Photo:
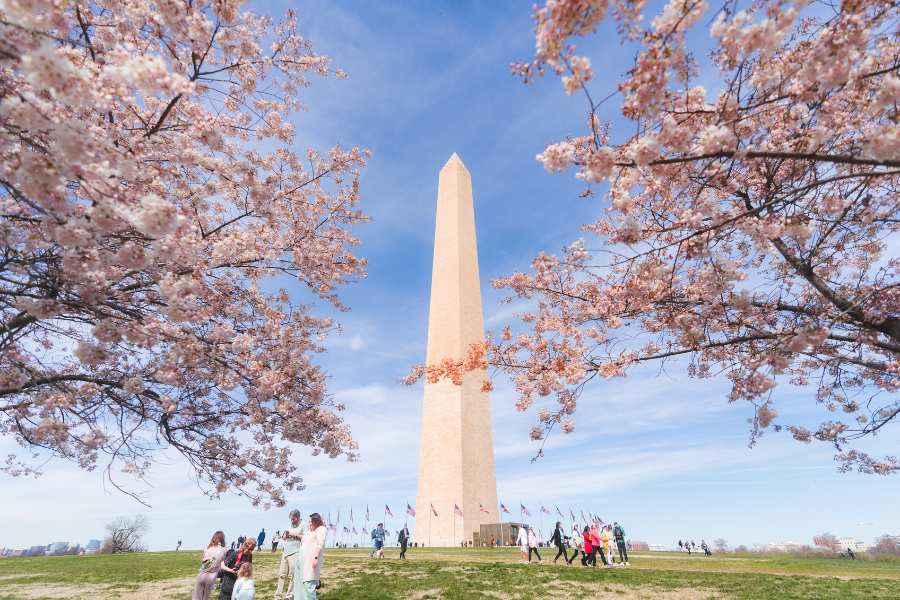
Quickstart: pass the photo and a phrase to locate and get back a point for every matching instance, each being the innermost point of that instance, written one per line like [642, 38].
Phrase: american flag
[365, 532]
[388, 510]
[354, 531]
[571, 513]
[557, 511]
[503, 509]
[456, 510]
[367, 512]
[544, 510]
[338, 519]
[351, 514]
[583, 520]
[524, 510]
[346, 530]
[481, 508]
[333, 527]
[432, 509]
[409, 510]
[329, 518]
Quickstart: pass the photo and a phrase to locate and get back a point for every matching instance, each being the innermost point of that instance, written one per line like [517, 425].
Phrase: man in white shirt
[292, 536]
[522, 541]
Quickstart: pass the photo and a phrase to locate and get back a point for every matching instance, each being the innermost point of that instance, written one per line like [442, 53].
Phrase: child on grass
[244, 588]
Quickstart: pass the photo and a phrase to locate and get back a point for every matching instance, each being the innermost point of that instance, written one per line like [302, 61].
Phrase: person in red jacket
[588, 549]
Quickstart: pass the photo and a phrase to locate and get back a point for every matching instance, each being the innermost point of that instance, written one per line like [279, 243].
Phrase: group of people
[691, 545]
[378, 540]
[589, 541]
[300, 568]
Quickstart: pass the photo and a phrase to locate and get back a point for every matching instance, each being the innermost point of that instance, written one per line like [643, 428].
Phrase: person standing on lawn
[292, 537]
[577, 538]
[209, 567]
[680, 546]
[275, 539]
[260, 539]
[558, 540]
[231, 566]
[309, 560]
[619, 534]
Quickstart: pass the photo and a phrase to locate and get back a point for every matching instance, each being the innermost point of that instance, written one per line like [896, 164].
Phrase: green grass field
[451, 574]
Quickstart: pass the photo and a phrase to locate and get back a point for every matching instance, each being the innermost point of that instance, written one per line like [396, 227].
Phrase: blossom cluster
[748, 231]
[143, 239]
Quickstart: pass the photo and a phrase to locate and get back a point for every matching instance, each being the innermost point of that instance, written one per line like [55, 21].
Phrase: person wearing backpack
[209, 567]
[378, 545]
[619, 535]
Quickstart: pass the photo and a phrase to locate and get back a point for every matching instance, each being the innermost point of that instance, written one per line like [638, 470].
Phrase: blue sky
[663, 454]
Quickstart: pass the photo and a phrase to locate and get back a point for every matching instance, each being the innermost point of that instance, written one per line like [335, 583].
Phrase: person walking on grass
[619, 534]
[275, 539]
[533, 546]
[260, 539]
[610, 545]
[378, 545]
[244, 588]
[209, 567]
[522, 541]
[588, 551]
[597, 546]
[404, 541]
[292, 536]
[231, 566]
[577, 542]
[559, 540]
[687, 545]
[308, 566]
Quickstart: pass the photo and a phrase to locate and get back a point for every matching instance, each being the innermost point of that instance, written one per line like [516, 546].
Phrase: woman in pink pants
[212, 560]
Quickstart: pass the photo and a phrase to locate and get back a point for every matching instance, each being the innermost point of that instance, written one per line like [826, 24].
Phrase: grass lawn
[456, 573]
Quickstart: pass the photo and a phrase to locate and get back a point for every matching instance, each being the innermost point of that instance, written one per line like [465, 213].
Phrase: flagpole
[430, 512]
[501, 526]
[479, 525]
[541, 512]
[454, 522]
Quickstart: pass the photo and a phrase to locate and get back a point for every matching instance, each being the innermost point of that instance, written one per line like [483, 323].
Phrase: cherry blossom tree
[151, 208]
[748, 229]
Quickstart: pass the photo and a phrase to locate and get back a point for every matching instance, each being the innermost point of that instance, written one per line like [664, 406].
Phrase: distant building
[784, 547]
[657, 548]
[842, 544]
[638, 546]
[58, 547]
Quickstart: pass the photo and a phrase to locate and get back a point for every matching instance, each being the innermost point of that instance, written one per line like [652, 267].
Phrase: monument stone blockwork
[456, 460]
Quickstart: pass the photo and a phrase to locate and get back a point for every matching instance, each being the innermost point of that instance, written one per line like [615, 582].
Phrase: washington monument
[456, 461]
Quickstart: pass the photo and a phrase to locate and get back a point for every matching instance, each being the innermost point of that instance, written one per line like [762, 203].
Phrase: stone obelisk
[456, 461]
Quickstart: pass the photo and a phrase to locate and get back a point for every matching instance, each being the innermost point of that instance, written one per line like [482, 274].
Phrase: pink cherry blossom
[751, 233]
[144, 240]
